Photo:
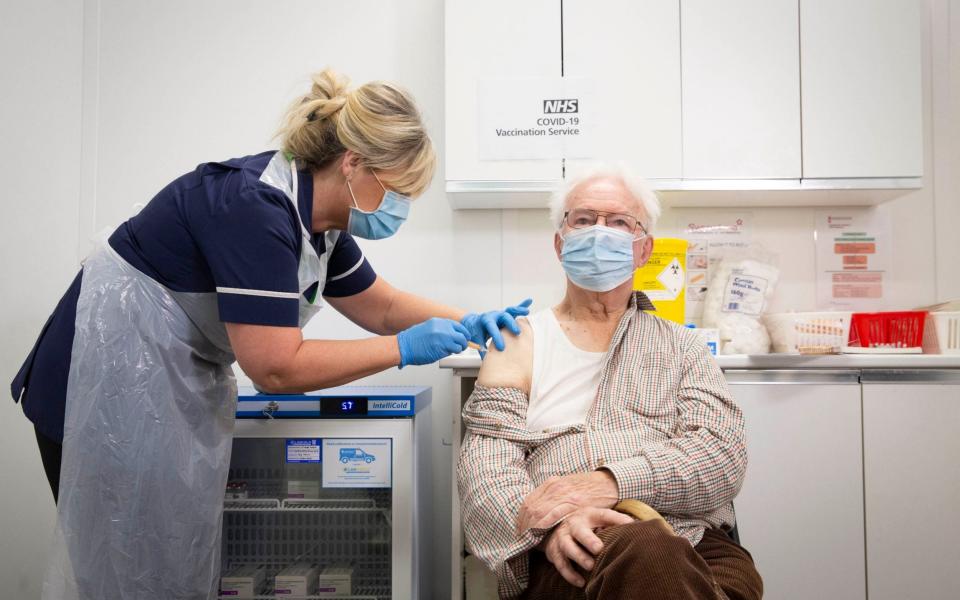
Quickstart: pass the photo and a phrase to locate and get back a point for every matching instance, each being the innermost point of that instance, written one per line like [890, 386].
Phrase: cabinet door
[495, 39]
[912, 486]
[800, 512]
[861, 82]
[630, 50]
[741, 89]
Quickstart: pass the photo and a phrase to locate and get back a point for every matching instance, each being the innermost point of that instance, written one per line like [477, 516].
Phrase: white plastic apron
[311, 269]
[148, 430]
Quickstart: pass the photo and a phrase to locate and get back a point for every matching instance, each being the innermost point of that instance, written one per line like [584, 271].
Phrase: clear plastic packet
[738, 295]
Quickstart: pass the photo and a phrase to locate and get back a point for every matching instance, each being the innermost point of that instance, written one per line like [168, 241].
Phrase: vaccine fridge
[328, 495]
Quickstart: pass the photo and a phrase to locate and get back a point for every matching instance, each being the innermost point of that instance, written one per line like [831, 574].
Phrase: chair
[734, 534]
[643, 512]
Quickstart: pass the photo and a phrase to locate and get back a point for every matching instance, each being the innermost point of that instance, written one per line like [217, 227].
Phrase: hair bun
[327, 95]
[322, 108]
[329, 83]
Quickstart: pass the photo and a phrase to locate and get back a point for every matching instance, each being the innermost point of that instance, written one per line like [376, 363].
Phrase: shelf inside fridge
[361, 593]
[302, 505]
[251, 505]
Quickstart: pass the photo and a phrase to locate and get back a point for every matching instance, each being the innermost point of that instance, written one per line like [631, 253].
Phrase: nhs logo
[569, 105]
[388, 405]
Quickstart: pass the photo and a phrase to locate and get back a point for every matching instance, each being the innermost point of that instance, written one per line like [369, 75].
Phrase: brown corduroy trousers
[644, 560]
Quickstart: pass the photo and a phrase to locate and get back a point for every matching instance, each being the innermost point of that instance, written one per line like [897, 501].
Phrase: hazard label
[672, 279]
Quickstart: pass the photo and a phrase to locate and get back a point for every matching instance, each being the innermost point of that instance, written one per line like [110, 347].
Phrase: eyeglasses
[579, 218]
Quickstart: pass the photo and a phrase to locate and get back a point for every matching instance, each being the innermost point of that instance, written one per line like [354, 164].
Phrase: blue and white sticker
[303, 450]
[357, 462]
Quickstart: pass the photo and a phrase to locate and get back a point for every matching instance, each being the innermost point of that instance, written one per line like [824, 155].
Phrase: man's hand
[560, 496]
[575, 540]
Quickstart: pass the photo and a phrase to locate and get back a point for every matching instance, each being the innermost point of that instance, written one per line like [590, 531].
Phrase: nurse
[130, 384]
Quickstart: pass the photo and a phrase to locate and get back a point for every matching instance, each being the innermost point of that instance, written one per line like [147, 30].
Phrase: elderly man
[595, 403]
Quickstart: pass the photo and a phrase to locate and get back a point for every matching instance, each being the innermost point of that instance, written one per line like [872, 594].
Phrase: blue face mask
[381, 223]
[597, 258]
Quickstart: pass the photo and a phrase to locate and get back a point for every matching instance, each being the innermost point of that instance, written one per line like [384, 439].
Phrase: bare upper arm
[367, 308]
[513, 367]
[264, 351]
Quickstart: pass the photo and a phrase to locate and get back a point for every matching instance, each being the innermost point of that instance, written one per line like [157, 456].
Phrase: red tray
[887, 329]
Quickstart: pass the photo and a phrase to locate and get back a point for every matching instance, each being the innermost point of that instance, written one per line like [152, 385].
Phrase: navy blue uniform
[218, 229]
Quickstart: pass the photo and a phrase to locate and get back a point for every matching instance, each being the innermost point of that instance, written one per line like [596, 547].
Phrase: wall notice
[852, 259]
[537, 118]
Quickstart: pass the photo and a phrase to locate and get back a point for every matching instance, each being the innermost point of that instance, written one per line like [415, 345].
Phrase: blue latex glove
[430, 341]
[484, 326]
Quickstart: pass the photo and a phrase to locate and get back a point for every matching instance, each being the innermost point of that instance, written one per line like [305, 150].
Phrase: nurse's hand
[430, 341]
[484, 326]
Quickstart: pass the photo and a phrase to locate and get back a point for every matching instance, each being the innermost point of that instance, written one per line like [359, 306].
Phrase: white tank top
[565, 378]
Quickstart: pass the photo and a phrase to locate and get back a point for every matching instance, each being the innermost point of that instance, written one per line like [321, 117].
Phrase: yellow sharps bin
[663, 278]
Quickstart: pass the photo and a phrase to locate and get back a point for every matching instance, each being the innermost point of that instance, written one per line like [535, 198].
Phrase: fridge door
[320, 495]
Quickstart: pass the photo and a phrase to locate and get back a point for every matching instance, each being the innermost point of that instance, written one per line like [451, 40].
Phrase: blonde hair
[378, 121]
[637, 186]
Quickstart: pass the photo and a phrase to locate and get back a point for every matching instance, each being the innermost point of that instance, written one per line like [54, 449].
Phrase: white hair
[637, 186]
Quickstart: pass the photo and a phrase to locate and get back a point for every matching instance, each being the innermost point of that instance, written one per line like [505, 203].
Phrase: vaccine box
[336, 581]
[299, 579]
[236, 490]
[300, 488]
[711, 337]
[243, 582]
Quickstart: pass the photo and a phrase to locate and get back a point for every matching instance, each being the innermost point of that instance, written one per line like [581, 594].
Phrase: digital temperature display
[331, 406]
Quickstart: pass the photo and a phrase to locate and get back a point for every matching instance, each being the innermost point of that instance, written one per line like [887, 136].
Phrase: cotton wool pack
[738, 294]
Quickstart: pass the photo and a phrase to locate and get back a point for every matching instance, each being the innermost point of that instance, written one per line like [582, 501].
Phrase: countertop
[470, 360]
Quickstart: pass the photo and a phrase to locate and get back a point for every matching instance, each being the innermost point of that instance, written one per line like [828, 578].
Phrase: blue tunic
[218, 229]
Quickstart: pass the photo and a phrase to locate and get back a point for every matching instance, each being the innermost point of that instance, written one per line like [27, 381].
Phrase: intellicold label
[388, 405]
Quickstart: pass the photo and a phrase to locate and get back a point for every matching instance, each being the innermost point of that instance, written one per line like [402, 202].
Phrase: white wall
[169, 85]
[944, 124]
[40, 44]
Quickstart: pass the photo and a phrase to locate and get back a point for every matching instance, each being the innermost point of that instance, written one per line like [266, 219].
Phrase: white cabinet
[750, 100]
[495, 39]
[741, 89]
[861, 88]
[800, 512]
[629, 50]
[912, 483]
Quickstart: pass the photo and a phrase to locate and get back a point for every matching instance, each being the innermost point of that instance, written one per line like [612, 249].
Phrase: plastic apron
[151, 401]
